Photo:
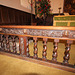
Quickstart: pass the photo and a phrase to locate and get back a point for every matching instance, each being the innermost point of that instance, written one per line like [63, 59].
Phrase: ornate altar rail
[8, 43]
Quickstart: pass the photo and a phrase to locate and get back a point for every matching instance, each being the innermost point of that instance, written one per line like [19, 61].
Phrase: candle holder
[59, 10]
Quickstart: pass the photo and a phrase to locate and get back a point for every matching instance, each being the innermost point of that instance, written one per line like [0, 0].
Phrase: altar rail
[10, 35]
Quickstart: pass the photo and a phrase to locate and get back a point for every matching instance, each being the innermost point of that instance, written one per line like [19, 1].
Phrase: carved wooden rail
[10, 35]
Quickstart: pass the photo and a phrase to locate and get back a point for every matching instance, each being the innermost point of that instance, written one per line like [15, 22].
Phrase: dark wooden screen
[10, 16]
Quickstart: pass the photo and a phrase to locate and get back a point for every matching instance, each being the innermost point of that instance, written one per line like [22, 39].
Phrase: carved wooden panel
[13, 31]
[41, 32]
[52, 33]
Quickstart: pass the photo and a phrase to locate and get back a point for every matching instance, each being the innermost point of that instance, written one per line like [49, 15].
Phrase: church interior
[37, 37]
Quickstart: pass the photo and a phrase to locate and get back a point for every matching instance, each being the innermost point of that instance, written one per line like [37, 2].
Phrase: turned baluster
[27, 50]
[14, 44]
[44, 49]
[67, 49]
[35, 48]
[2, 43]
[54, 56]
[7, 43]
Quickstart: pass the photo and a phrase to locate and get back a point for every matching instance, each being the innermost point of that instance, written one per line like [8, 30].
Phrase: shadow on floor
[31, 74]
